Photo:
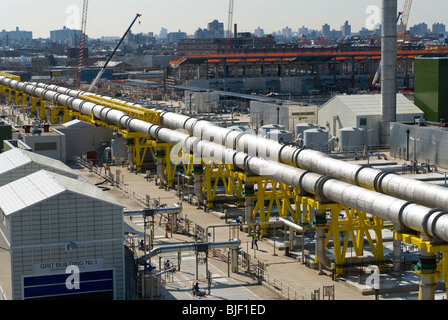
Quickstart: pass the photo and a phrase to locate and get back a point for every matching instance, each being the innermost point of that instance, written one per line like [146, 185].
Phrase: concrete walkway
[296, 280]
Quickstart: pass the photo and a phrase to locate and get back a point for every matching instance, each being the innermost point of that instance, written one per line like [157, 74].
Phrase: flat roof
[227, 93]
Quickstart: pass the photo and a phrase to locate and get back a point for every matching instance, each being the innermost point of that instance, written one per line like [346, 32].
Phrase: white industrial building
[63, 240]
[17, 163]
[286, 114]
[82, 137]
[201, 101]
[43, 140]
[364, 112]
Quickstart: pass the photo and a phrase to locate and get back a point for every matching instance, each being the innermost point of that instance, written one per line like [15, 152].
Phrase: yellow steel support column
[162, 152]
[235, 183]
[212, 171]
[2, 90]
[440, 271]
[58, 112]
[43, 111]
[356, 225]
[11, 94]
[280, 195]
[36, 104]
[138, 150]
[170, 169]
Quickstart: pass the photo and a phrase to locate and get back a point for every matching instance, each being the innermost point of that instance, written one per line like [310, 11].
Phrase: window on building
[363, 121]
[45, 146]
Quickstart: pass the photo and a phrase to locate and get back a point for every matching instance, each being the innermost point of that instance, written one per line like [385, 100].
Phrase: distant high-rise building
[303, 31]
[163, 33]
[16, 36]
[287, 32]
[174, 37]
[259, 32]
[438, 28]
[366, 32]
[326, 31]
[216, 29]
[420, 29]
[346, 29]
[65, 36]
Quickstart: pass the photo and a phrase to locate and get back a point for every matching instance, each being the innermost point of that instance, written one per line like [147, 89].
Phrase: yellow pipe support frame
[267, 190]
[36, 103]
[441, 271]
[140, 113]
[235, 183]
[139, 144]
[9, 75]
[356, 225]
[217, 172]
[165, 156]
[179, 157]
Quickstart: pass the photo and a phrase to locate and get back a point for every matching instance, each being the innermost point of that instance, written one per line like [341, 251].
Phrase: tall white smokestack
[388, 68]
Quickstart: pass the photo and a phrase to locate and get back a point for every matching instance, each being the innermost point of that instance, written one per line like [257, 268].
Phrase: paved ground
[296, 279]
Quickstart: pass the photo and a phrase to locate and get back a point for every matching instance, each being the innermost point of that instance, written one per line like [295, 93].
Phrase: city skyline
[111, 18]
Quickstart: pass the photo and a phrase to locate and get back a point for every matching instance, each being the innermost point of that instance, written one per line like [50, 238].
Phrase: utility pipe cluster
[385, 182]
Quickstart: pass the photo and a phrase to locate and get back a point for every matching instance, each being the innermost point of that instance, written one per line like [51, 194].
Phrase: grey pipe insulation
[407, 214]
[196, 246]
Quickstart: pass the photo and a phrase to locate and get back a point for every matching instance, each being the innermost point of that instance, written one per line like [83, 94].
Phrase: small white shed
[363, 111]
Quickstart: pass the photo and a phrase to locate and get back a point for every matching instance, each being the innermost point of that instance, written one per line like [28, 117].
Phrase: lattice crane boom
[229, 25]
[82, 43]
[403, 24]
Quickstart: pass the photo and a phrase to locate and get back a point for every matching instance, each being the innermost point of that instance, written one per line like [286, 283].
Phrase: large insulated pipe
[319, 162]
[385, 182]
[388, 68]
[432, 222]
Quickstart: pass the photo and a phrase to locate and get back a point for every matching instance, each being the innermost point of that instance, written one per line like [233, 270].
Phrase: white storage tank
[301, 127]
[351, 139]
[316, 139]
[244, 129]
[263, 132]
[281, 136]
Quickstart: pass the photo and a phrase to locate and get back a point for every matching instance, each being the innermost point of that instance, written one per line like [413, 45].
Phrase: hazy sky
[112, 17]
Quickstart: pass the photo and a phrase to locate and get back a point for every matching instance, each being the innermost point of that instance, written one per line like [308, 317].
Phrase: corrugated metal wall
[431, 147]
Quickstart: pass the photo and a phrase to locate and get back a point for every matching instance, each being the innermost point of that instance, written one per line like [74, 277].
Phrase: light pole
[407, 144]
[415, 150]
[365, 145]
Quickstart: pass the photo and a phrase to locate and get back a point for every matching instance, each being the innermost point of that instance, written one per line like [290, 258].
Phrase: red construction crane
[82, 43]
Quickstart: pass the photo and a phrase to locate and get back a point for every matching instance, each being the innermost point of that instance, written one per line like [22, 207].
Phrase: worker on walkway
[254, 240]
[196, 287]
